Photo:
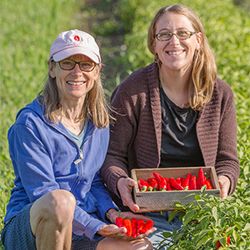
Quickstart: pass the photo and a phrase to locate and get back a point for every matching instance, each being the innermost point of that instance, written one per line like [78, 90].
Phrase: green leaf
[189, 216]
[167, 234]
[247, 227]
[202, 242]
[172, 215]
[204, 222]
[215, 213]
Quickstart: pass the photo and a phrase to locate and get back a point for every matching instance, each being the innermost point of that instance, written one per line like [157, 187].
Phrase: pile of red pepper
[160, 183]
[134, 227]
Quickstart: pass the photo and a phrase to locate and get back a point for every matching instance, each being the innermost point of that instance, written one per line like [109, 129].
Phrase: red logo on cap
[77, 38]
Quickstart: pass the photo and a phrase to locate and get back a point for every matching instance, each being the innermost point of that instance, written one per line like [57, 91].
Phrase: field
[29, 27]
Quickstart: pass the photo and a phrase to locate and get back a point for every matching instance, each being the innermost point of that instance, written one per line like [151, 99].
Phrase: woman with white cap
[57, 145]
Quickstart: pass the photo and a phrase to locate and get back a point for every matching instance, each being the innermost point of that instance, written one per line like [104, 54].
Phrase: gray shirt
[79, 138]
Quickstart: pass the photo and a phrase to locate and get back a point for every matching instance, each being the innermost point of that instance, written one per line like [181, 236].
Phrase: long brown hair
[95, 106]
[204, 70]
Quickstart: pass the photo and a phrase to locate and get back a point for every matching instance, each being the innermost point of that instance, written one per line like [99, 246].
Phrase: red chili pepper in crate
[193, 183]
[186, 182]
[167, 181]
[198, 185]
[144, 186]
[201, 178]
[175, 184]
[209, 184]
[179, 180]
[128, 225]
[169, 186]
[134, 227]
[153, 183]
[162, 185]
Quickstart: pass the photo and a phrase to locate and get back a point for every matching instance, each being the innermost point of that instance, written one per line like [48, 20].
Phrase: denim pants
[160, 220]
[17, 235]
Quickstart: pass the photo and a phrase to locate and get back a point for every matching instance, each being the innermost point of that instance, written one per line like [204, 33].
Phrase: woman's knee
[114, 244]
[143, 244]
[56, 207]
[61, 203]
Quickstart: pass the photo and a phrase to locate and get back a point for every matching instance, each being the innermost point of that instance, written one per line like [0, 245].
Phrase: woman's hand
[125, 187]
[224, 183]
[113, 231]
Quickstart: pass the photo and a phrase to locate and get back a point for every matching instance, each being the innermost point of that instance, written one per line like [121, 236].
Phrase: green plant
[209, 219]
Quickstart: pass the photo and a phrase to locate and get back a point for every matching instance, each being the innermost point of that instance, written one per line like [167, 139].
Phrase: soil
[93, 15]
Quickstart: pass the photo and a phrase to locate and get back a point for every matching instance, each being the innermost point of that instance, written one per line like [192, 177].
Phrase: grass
[28, 29]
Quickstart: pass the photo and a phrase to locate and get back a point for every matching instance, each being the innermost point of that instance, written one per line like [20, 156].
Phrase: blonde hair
[204, 70]
[95, 106]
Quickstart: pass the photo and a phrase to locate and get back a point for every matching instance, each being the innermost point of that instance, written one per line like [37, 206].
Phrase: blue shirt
[45, 157]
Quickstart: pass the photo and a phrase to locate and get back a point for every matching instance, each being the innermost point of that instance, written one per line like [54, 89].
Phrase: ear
[52, 69]
[154, 46]
[198, 40]
[97, 71]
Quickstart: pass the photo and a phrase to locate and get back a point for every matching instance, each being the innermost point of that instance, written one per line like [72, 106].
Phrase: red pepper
[147, 226]
[209, 184]
[167, 181]
[198, 183]
[140, 225]
[134, 227]
[162, 185]
[201, 178]
[175, 184]
[186, 182]
[153, 183]
[128, 225]
[143, 186]
[169, 186]
[193, 184]
[119, 221]
[218, 244]
[179, 180]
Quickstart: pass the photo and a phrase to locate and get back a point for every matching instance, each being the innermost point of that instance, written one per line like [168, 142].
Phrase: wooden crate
[164, 200]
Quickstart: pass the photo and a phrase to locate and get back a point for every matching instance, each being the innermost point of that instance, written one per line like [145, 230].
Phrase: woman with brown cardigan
[173, 112]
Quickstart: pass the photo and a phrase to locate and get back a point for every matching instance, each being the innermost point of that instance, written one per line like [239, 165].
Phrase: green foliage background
[29, 27]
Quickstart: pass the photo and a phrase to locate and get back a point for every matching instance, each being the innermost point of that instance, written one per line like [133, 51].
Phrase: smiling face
[73, 85]
[175, 54]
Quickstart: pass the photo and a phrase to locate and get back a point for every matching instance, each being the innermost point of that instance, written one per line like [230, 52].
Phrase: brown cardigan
[135, 138]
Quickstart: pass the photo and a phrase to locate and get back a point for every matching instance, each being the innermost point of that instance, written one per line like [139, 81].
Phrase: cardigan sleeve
[116, 162]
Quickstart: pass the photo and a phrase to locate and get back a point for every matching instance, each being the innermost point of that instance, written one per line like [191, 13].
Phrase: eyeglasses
[70, 64]
[181, 35]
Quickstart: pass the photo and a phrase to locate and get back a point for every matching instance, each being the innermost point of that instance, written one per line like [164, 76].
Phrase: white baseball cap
[74, 42]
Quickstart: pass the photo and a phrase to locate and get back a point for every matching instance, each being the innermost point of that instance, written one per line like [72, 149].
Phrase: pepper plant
[209, 219]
